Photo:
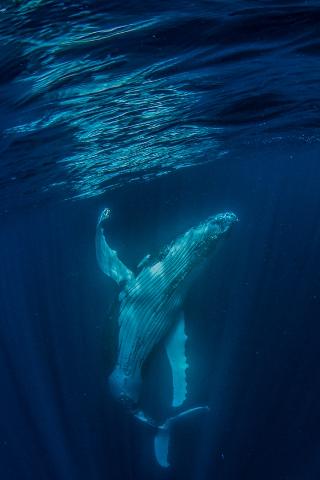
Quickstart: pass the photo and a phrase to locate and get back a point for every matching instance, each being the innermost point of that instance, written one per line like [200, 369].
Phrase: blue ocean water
[166, 112]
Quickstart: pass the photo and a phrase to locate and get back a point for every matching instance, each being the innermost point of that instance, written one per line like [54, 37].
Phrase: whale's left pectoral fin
[176, 351]
[107, 258]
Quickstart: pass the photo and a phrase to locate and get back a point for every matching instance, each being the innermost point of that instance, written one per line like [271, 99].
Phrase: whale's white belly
[146, 314]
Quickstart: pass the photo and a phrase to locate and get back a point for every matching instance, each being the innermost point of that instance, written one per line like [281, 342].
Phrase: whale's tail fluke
[162, 438]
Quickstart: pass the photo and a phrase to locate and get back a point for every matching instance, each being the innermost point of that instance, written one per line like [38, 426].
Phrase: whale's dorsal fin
[144, 262]
[107, 258]
[175, 348]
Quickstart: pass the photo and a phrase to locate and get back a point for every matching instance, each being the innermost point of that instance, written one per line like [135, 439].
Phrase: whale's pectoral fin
[107, 258]
[175, 347]
[162, 438]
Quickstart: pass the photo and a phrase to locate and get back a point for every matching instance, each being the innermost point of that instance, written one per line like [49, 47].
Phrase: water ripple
[95, 95]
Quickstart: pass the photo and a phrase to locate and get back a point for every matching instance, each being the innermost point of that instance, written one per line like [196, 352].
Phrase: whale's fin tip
[107, 258]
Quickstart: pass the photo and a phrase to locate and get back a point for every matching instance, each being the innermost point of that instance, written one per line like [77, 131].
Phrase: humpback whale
[151, 312]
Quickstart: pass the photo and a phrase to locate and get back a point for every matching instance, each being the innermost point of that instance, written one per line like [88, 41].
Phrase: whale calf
[151, 312]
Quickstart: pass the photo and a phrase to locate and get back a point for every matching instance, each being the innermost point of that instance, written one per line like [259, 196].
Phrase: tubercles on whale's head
[222, 222]
[125, 388]
[216, 226]
[209, 232]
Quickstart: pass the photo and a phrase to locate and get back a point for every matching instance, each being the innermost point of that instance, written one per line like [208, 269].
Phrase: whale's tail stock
[163, 432]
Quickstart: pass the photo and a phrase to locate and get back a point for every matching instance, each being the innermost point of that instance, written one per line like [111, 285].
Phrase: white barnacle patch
[157, 268]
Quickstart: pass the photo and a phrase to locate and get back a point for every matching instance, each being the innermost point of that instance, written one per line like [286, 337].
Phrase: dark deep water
[167, 112]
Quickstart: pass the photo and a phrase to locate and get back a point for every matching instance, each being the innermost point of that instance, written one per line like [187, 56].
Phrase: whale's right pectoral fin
[176, 352]
[107, 258]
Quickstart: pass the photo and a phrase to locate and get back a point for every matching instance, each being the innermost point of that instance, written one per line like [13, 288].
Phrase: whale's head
[220, 224]
[125, 388]
[193, 250]
[205, 236]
